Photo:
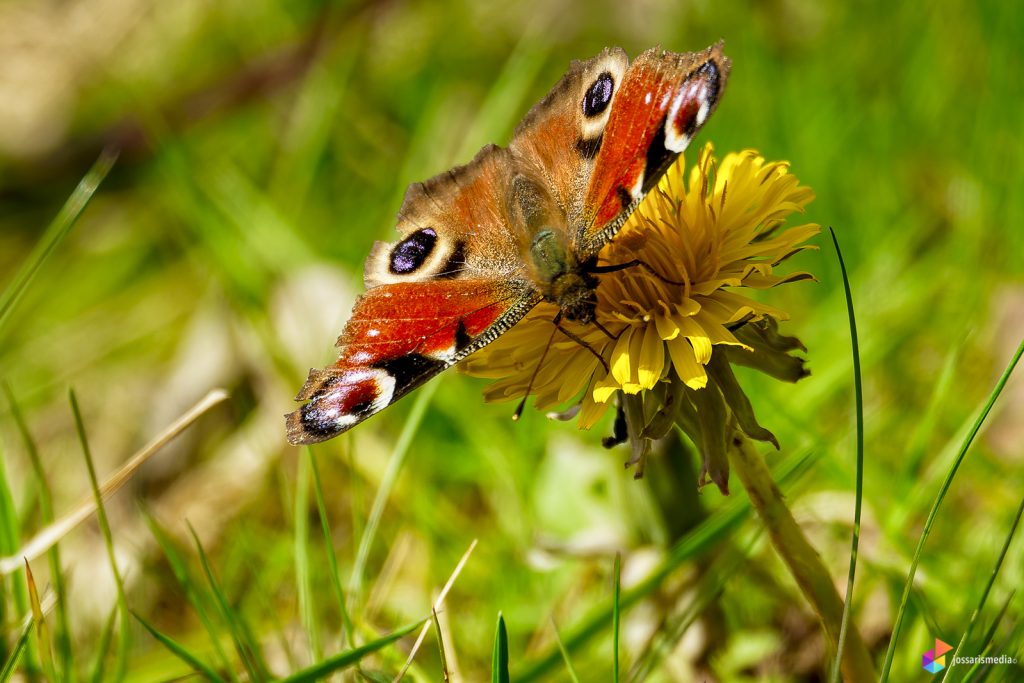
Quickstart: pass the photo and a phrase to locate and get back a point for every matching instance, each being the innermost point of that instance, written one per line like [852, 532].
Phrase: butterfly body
[483, 243]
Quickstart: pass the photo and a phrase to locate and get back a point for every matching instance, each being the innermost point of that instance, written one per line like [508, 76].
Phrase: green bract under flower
[681, 321]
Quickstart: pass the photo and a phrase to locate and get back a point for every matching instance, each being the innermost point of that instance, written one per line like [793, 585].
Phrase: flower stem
[801, 558]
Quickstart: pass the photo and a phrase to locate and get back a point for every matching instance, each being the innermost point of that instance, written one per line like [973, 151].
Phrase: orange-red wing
[399, 336]
[664, 98]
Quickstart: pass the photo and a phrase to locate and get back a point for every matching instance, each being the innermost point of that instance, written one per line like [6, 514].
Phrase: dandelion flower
[678, 321]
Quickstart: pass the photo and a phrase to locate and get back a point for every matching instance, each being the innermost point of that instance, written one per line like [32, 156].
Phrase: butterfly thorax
[563, 281]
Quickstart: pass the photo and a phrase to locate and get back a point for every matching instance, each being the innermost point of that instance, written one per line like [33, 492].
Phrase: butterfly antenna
[616, 267]
[585, 345]
[536, 371]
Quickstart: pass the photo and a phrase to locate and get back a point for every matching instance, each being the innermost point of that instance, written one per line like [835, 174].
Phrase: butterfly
[483, 243]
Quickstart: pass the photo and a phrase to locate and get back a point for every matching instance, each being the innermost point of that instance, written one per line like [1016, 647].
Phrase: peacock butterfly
[483, 243]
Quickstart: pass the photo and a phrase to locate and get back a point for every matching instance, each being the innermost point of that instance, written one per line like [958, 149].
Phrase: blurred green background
[265, 146]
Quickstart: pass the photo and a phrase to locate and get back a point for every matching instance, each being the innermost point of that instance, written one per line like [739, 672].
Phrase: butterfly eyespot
[598, 95]
[409, 254]
[709, 70]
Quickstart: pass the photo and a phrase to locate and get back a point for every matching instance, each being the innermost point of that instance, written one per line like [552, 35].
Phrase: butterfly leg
[575, 338]
[557, 321]
[522, 404]
[597, 270]
[604, 329]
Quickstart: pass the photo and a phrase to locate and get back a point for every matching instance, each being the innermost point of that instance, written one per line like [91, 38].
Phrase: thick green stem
[801, 558]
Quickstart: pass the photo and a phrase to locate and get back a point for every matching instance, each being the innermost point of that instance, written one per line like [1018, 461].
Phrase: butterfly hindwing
[453, 226]
[399, 336]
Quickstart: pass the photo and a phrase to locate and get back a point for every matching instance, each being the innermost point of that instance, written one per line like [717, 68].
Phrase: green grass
[124, 635]
[499, 658]
[227, 251]
[943, 490]
[858, 405]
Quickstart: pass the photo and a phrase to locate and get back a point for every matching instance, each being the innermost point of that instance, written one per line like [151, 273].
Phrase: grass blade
[801, 560]
[100, 649]
[1014, 673]
[44, 646]
[565, 654]
[858, 402]
[991, 633]
[62, 633]
[332, 557]
[387, 483]
[9, 534]
[986, 644]
[303, 577]
[988, 586]
[499, 659]
[194, 593]
[703, 537]
[968, 440]
[349, 657]
[244, 644]
[19, 649]
[616, 615]
[706, 591]
[48, 536]
[436, 606]
[180, 652]
[445, 671]
[108, 541]
[55, 233]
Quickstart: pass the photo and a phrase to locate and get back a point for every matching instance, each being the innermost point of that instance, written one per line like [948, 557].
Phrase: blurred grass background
[265, 146]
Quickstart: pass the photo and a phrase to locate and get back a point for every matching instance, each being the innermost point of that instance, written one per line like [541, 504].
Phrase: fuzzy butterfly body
[483, 243]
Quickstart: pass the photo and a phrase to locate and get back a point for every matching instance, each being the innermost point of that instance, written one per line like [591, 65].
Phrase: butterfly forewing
[664, 99]
[558, 139]
[399, 336]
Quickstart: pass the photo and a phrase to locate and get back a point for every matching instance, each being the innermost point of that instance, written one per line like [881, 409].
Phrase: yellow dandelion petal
[592, 410]
[666, 325]
[621, 362]
[759, 281]
[715, 330]
[707, 288]
[652, 358]
[576, 374]
[698, 337]
[605, 388]
[501, 390]
[636, 344]
[685, 364]
[728, 307]
[688, 306]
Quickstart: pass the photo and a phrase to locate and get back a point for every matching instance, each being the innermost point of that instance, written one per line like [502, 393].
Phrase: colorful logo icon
[934, 661]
